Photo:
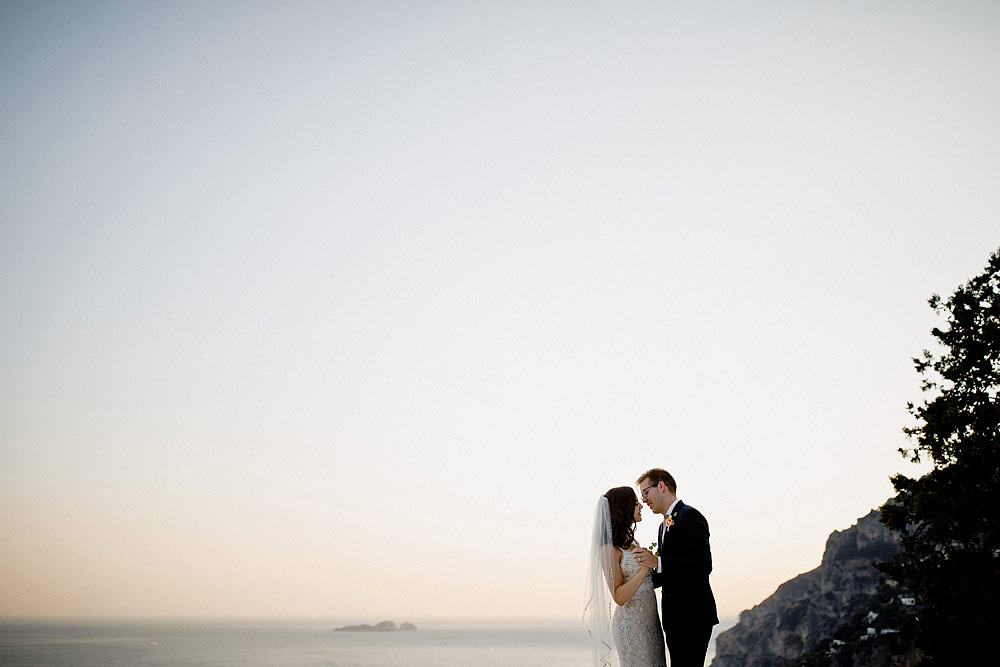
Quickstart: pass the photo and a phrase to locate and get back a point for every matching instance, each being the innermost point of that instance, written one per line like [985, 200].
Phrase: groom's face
[653, 495]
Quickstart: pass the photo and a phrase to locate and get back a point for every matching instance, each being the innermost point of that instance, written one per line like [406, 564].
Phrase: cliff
[808, 609]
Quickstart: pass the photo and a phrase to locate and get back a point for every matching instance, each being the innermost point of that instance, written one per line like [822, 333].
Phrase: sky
[354, 309]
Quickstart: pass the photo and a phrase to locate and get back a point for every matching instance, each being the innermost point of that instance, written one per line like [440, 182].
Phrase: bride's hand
[644, 557]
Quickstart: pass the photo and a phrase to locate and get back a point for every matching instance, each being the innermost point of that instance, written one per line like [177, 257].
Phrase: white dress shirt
[659, 563]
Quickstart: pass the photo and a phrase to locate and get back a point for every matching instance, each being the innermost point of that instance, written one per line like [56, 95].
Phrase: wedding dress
[636, 624]
[627, 635]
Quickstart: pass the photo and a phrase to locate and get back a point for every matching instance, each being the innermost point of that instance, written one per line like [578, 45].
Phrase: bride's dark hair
[621, 505]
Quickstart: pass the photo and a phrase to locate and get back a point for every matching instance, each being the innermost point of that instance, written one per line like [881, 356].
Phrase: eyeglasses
[645, 492]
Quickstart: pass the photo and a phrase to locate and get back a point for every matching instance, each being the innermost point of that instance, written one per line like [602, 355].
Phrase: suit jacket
[686, 561]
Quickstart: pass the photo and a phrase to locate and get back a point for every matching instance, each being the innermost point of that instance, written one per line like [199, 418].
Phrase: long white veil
[598, 603]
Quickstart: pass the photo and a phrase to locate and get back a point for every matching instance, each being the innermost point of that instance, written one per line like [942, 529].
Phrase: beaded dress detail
[636, 624]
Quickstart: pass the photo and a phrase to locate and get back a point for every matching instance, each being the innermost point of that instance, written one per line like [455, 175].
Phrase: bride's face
[638, 511]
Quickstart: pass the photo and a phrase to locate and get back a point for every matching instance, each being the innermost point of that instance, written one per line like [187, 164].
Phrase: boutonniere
[668, 521]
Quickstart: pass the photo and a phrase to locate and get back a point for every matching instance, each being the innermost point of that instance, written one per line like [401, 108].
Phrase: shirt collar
[672, 506]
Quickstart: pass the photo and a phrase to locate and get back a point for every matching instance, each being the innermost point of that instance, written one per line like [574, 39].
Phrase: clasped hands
[644, 557]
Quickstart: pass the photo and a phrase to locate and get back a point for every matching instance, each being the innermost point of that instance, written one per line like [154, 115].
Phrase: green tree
[948, 519]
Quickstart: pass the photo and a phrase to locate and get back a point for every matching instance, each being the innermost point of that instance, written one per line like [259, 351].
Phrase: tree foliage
[948, 519]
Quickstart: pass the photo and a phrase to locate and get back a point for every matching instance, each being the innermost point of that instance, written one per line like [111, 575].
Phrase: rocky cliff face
[807, 609]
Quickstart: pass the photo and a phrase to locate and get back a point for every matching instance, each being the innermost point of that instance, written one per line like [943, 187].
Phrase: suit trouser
[687, 643]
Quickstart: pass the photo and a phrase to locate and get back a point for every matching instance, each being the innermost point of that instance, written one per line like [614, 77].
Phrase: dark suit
[688, 605]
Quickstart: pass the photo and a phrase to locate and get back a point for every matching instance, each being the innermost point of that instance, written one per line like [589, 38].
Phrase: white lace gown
[636, 624]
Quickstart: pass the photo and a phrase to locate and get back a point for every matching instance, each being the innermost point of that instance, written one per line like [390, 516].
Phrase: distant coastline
[384, 626]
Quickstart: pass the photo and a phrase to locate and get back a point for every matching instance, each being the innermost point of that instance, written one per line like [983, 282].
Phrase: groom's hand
[644, 557]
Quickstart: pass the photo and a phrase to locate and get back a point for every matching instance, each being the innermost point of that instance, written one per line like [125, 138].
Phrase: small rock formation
[384, 626]
[806, 610]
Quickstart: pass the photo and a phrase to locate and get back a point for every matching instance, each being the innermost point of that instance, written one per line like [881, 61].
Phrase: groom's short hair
[657, 475]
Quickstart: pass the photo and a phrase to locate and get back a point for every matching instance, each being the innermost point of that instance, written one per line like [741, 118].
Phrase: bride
[620, 607]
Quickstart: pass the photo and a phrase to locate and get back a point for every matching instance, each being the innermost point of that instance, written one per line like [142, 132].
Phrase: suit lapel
[677, 509]
[664, 530]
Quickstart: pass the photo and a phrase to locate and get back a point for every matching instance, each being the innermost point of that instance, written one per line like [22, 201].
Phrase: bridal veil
[598, 603]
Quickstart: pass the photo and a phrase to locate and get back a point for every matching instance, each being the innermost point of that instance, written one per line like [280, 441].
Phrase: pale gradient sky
[354, 309]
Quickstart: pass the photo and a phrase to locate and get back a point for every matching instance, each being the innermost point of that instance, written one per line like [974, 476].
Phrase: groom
[682, 570]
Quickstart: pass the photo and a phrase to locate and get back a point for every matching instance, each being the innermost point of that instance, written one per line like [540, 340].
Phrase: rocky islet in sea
[384, 626]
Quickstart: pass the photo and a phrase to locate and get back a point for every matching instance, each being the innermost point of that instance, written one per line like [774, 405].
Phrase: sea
[291, 643]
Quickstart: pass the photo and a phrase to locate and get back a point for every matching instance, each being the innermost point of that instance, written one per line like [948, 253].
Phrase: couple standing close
[620, 609]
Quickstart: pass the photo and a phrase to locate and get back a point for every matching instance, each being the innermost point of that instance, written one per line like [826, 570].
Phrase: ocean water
[290, 644]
